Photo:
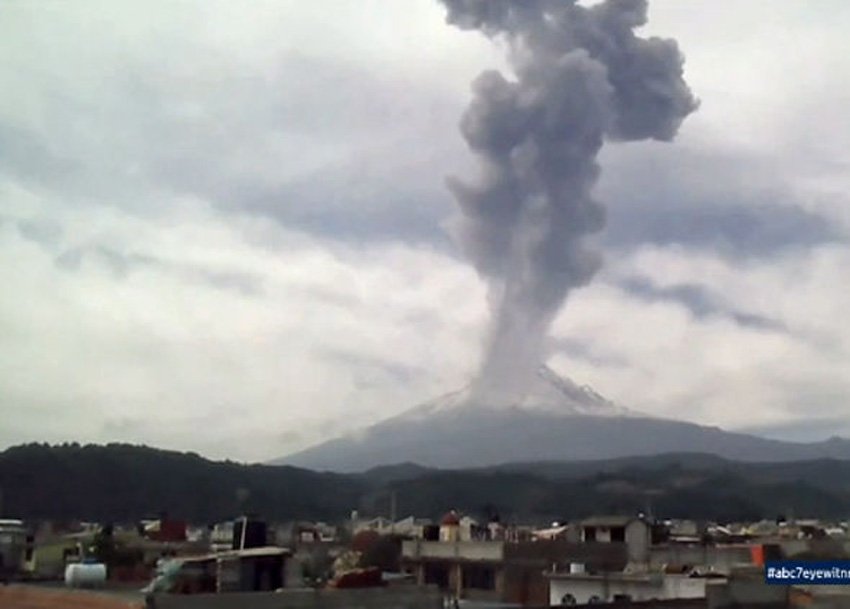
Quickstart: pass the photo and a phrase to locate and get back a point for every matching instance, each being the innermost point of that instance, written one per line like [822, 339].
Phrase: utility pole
[392, 512]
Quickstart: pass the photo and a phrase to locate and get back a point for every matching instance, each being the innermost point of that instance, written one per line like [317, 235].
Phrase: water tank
[576, 567]
[255, 534]
[85, 575]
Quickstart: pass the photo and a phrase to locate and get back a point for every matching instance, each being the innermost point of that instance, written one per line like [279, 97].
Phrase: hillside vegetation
[120, 482]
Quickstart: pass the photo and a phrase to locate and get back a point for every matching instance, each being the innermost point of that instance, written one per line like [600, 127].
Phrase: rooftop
[654, 577]
[11, 522]
[608, 521]
[237, 554]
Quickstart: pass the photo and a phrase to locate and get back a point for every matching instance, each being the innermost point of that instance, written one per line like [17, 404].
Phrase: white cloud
[161, 353]
[159, 161]
[664, 360]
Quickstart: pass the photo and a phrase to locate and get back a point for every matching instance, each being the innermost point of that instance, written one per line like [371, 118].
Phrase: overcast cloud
[222, 225]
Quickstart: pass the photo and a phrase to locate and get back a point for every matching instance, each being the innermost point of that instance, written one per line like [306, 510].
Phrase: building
[242, 533]
[221, 536]
[378, 524]
[502, 571]
[745, 587]
[450, 527]
[251, 570]
[16, 547]
[166, 530]
[249, 533]
[684, 531]
[577, 587]
[315, 532]
[415, 528]
[711, 558]
[633, 531]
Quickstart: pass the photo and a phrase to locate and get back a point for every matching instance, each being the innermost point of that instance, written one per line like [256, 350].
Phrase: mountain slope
[557, 421]
[121, 483]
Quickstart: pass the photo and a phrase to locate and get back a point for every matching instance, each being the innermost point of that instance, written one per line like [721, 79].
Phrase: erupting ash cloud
[580, 76]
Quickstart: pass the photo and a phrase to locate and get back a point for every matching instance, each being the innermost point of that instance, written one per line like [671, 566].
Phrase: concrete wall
[638, 541]
[525, 585]
[721, 559]
[670, 587]
[372, 598]
[463, 550]
[676, 586]
[293, 573]
[679, 603]
[563, 552]
[543, 553]
[525, 564]
[745, 592]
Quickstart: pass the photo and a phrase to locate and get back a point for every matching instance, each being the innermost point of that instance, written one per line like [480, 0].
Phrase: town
[459, 561]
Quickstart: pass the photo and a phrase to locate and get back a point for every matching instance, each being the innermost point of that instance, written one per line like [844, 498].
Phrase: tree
[103, 545]
[384, 553]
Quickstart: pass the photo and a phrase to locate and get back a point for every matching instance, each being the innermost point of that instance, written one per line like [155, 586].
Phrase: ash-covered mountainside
[557, 420]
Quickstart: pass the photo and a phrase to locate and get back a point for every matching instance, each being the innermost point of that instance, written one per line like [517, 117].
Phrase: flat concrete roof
[618, 576]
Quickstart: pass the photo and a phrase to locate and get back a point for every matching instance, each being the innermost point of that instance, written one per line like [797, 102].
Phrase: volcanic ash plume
[580, 75]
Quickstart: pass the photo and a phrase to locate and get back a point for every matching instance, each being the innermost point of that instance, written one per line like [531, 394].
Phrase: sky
[223, 225]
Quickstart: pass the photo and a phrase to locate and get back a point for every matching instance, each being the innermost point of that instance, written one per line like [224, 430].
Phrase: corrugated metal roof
[237, 554]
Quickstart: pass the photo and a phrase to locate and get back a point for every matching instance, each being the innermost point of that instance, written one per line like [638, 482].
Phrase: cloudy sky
[222, 226]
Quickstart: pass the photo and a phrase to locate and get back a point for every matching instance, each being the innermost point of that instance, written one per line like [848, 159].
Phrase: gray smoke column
[580, 77]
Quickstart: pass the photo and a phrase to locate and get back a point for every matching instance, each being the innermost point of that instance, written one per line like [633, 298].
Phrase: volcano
[557, 420]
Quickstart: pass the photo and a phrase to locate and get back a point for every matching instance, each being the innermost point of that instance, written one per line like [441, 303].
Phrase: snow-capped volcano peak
[549, 393]
[561, 395]
[557, 420]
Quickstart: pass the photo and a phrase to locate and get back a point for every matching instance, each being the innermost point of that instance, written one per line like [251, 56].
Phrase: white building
[577, 588]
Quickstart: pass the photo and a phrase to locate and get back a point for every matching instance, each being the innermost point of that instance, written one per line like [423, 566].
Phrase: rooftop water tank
[85, 575]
